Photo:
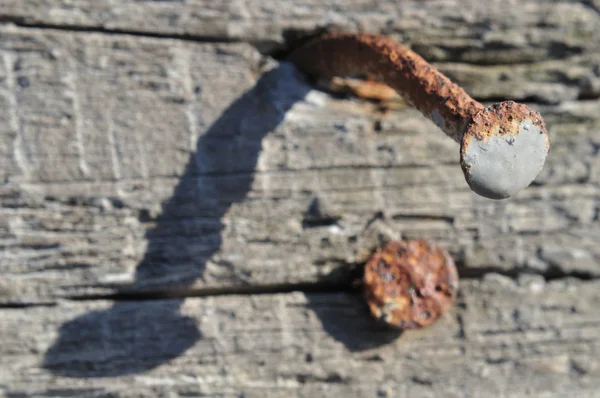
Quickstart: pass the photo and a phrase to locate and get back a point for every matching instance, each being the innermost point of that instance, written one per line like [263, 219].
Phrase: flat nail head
[503, 149]
[409, 284]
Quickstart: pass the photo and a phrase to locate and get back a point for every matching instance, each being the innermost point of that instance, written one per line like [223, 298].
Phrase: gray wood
[552, 46]
[154, 148]
[156, 165]
[506, 338]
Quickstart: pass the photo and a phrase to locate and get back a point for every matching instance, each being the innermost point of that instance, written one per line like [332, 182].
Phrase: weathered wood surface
[552, 46]
[102, 130]
[135, 167]
[505, 339]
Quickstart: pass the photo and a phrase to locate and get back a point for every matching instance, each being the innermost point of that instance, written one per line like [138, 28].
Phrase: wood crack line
[349, 287]
[22, 22]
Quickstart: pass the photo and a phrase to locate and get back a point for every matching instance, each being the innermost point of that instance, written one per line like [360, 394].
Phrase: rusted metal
[366, 89]
[495, 167]
[503, 148]
[424, 87]
[409, 284]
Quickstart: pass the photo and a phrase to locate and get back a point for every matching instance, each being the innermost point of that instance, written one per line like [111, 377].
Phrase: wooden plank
[187, 163]
[157, 165]
[505, 338]
[552, 47]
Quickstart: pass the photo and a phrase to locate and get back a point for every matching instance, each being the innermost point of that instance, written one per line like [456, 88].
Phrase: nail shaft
[424, 87]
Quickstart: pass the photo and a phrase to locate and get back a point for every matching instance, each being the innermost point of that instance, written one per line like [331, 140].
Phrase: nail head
[502, 155]
[409, 284]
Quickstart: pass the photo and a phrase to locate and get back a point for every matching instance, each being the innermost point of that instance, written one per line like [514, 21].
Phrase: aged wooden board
[153, 165]
[504, 339]
[529, 35]
[153, 148]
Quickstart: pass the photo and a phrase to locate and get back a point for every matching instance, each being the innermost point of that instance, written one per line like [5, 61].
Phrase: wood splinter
[502, 147]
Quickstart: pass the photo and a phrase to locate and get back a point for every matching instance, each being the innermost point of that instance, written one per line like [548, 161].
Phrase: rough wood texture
[261, 180]
[552, 46]
[136, 167]
[505, 339]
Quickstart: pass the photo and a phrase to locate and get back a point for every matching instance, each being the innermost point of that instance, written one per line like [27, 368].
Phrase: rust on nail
[344, 54]
[409, 284]
[503, 149]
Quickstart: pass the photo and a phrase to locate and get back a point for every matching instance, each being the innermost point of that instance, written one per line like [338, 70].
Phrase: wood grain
[535, 49]
[151, 165]
[155, 149]
[506, 338]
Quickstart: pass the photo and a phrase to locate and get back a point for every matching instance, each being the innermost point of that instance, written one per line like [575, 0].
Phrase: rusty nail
[409, 284]
[502, 147]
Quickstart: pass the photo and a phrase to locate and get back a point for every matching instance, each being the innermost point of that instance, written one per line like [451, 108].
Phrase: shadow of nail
[127, 338]
[135, 336]
[346, 318]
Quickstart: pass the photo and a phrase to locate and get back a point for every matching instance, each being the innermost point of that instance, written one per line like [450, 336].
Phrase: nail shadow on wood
[135, 336]
[345, 316]
[347, 320]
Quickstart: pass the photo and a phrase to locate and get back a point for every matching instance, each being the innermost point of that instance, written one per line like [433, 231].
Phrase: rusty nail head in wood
[409, 284]
[503, 147]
